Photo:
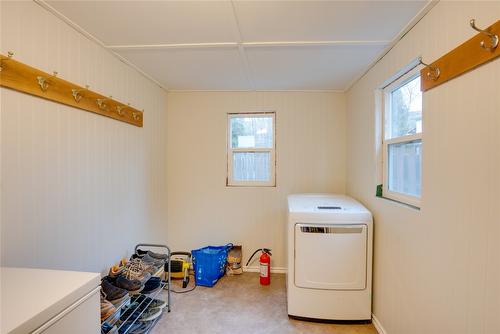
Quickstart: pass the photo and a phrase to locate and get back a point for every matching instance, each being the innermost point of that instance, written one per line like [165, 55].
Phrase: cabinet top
[31, 297]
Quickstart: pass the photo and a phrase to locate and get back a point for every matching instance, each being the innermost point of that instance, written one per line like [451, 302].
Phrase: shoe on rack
[132, 312]
[114, 294]
[108, 329]
[143, 327]
[140, 253]
[153, 303]
[107, 308]
[133, 286]
[158, 256]
[137, 328]
[152, 285]
[115, 271]
[144, 266]
[148, 259]
[130, 327]
[151, 314]
[134, 272]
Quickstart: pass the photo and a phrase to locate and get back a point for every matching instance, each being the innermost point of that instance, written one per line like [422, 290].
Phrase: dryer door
[330, 257]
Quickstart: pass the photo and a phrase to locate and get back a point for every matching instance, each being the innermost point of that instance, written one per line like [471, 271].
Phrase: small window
[251, 149]
[402, 141]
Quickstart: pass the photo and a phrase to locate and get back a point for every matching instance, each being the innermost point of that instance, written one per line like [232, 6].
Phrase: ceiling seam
[241, 45]
[241, 50]
[86, 34]
[250, 44]
[258, 90]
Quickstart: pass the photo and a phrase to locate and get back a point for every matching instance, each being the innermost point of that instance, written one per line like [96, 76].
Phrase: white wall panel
[78, 189]
[437, 269]
[310, 150]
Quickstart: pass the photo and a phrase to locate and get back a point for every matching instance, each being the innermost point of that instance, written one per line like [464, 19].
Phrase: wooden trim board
[462, 59]
[23, 78]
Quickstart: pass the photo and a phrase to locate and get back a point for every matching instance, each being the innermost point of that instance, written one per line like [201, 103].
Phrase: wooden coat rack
[478, 50]
[23, 78]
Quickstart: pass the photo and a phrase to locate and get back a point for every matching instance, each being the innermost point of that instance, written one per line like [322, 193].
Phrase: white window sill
[411, 206]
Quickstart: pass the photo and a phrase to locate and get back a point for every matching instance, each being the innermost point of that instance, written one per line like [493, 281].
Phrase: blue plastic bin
[209, 264]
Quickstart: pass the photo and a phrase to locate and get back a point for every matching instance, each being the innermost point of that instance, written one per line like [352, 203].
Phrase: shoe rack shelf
[126, 325]
[135, 314]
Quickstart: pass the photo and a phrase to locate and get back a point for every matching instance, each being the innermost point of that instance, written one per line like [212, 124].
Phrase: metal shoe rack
[125, 326]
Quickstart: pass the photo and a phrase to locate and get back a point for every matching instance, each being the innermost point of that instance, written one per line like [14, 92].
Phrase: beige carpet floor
[240, 305]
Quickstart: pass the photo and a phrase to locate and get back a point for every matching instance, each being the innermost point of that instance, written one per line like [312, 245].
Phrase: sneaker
[151, 314]
[158, 303]
[113, 294]
[140, 253]
[107, 309]
[115, 271]
[130, 327]
[144, 327]
[152, 261]
[123, 262]
[132, 312]
[113, 319]
[158, 256]
[153, 303]
[144, 266]
[108, 329]
[133, 286]
[134, 272]
[152, 285]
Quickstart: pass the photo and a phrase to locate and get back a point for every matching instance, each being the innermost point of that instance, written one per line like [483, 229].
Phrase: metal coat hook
[135, 116]
[101, 104]
[119, 110]
[434, 71]
[77, 93]
[10, 54]
[493, 38]
[42, 82]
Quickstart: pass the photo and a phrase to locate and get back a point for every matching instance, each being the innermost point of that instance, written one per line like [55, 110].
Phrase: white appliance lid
[328, 204]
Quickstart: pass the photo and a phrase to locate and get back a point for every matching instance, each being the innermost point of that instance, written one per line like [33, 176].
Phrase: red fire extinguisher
[265, 265]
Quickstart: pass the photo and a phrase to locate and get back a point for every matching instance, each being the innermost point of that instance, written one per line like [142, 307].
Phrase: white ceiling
[245, 45]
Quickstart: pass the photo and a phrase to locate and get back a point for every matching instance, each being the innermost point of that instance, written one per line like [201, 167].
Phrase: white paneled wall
[78, 189]
[437, 270]
[310, 157]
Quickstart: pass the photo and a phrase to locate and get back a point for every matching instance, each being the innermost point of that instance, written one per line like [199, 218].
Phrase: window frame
[230, 182]
[386, 108]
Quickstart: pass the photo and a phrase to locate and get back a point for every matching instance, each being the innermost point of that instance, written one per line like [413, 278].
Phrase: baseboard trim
[378, 326]
[255, 269]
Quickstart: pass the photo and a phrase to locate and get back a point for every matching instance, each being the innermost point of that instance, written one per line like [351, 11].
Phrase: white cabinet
[40, 301]
[80, 318]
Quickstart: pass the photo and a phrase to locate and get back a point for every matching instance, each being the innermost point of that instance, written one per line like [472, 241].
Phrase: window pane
[405, 116]
[251, 166]
[405, 163]
[248, 132]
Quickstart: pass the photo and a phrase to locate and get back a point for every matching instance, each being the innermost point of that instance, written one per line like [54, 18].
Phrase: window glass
[405, 163]
[405, 114]
[251, 166]
[247, 132]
